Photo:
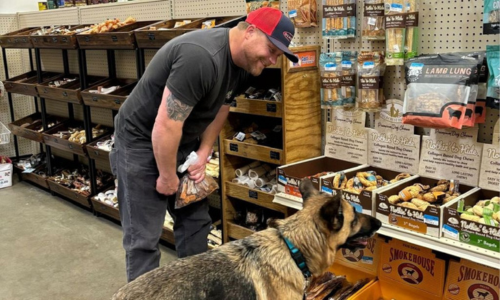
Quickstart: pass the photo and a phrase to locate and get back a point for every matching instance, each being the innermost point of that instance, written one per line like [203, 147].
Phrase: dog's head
[344, 227]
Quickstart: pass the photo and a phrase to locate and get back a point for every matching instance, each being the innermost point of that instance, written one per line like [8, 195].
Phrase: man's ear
[307, 189]
[332, 213]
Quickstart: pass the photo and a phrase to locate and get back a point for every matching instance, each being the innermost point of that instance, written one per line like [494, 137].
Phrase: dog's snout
[375, 223]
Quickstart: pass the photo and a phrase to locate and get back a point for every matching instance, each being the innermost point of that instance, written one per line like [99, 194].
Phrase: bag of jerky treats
[437, 90]
[371, 68]
[493, 59]
[331, 92]
[491, 17]
[348, 83]
[303, 13]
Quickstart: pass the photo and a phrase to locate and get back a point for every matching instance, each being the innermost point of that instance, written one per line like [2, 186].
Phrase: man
[177, 107]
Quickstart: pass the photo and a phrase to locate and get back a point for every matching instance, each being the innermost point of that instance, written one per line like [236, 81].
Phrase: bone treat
[244, 170]
[260, 171]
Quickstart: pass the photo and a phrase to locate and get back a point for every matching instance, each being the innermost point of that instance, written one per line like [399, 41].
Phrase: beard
[254, 64]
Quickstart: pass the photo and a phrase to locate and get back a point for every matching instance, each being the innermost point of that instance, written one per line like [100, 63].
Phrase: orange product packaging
[467, 280]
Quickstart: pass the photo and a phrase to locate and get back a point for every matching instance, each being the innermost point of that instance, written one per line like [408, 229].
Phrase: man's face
[259, 51]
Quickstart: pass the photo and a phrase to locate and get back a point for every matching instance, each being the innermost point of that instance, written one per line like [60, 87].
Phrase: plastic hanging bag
[190, 191]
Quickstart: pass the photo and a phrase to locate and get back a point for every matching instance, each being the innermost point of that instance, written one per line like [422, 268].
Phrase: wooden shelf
[106, 209]
[254, 196]
[258, 107]
[168, 235]
[254, 151]
[237, 232]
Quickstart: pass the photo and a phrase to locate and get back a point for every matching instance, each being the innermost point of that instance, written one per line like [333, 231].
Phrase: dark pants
[142, 208]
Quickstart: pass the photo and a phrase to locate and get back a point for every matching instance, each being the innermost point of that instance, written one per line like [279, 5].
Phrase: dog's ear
[307, 189]
[332, 213]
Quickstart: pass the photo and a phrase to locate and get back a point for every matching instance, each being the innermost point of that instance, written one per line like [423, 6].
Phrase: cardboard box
[365, 201]
[290, 176]
[353, 275]
[6, 173]
[365, 260]
[411, 268]
[470, 232]
[427, 222]
[469, 280]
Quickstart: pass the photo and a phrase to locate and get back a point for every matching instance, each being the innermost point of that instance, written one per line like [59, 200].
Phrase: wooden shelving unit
[300, 117]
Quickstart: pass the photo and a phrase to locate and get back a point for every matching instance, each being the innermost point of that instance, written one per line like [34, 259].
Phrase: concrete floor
[53, 249]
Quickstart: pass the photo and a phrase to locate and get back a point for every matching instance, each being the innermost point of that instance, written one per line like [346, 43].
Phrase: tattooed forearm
[177, 110]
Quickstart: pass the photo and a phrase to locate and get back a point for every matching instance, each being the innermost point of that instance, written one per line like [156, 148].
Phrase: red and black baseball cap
[278, 28]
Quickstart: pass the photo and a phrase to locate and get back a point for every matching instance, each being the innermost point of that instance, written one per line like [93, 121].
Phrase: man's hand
[167, 185]
[197, 171]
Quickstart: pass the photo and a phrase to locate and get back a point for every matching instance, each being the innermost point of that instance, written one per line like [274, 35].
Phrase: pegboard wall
[23, 105]
[444, 26]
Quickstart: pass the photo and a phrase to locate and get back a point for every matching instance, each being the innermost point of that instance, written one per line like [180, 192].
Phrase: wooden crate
[237, 232]
[96, 153]
[68, 193]
[26, 83]
[56, 41]
[32, 131]
[113, 100]
[257, 107]
[18, 39]
[165, 31]
[253, 196]
[63, 144]
[168, 235]
[253, 151]
[69, 92]
[104, 208]
[121, 38]
[32, 177]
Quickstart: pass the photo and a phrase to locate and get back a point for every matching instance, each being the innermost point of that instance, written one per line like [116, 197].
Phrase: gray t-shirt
[198, 69]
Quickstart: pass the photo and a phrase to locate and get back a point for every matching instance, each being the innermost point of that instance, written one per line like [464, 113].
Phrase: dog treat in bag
[438, 88]
[491, 17]
[252, 5]
[411, 40]
[373, 26]
[303, 13]
[480, 110]
[371, 68]
[190, 191]
[493, 59]
[395, 32]
[331, 91]
[339, 19]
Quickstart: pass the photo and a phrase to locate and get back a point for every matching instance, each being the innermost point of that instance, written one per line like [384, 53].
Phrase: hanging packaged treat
[252, 5]
[348, 81]
[491, 17]
[493, 59]
[437, 90]
[303, 13]
[480, 110]
[371, 68]
[411, 40]
[395, 28]
[331, 91]
[339, 19]
[373, 27]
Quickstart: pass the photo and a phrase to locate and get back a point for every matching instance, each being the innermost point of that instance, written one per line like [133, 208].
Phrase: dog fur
[260, 266]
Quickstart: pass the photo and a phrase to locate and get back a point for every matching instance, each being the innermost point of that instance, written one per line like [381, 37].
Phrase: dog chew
[303, 13]
[339, 19]
[438, 88]
[420, 197]
[371, 68]
[373, 25]
[395, 28]
[411, 40]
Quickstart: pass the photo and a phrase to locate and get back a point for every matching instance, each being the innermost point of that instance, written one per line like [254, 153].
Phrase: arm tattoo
[177, 110]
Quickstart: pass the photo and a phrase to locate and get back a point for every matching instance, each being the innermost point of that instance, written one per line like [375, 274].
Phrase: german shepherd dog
[260, 266]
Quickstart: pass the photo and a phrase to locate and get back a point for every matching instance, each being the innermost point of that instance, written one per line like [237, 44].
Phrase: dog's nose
[376, 223]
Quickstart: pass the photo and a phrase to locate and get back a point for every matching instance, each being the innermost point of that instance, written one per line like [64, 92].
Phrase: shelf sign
[346, 136]
[233, 147]
[271, 107]
[274, 155]
[253, 195]
[392, 145]
[489, 174]
[307, 59]
[451, 154]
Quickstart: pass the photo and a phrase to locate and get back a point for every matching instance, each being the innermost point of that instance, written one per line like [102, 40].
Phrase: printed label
[374, 10]
[331, 82]
[412, 19]
[489, 177]
[395, 21]
[369, 83]
[339, 11]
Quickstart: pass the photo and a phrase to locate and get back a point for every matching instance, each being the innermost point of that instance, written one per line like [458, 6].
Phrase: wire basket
[4, 134]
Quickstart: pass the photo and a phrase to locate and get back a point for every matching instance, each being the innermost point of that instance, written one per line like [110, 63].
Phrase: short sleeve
[192, 73]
